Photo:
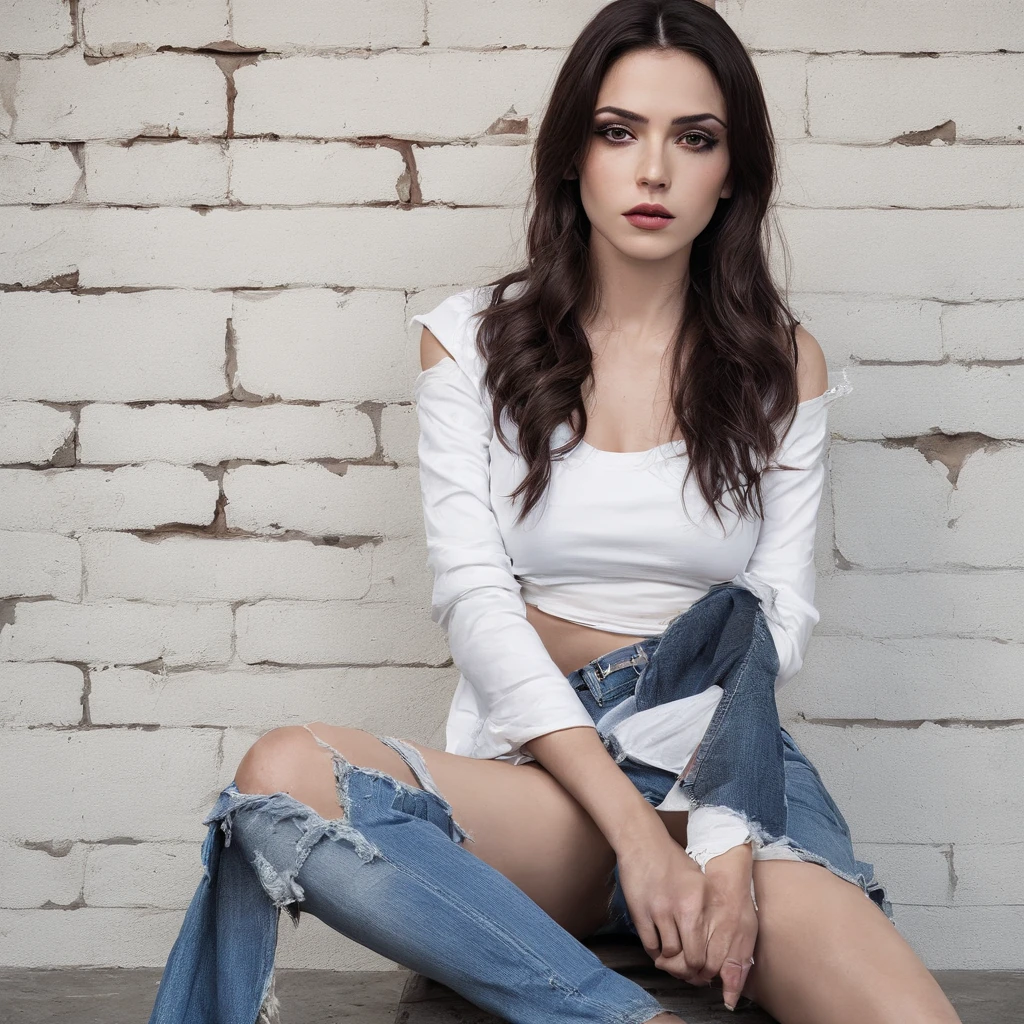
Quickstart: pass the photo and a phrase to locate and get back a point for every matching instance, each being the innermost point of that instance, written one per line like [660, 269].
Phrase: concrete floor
[113, 996]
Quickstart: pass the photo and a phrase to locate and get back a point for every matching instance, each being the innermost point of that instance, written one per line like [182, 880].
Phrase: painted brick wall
[217, 217]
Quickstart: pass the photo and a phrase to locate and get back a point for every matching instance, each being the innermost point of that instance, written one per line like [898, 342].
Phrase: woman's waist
[631, 609]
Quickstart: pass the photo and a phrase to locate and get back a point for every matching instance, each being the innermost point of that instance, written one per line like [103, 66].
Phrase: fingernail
[728, 1007]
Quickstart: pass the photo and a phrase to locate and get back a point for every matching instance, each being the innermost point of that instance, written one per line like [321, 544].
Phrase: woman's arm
[580, 762]
[781, 568]
[519, 690]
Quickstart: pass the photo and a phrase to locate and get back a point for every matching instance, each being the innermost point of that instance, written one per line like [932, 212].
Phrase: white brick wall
[216, 220]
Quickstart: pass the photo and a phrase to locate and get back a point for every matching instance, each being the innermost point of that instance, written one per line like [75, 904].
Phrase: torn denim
[705, 689]
[393, 875]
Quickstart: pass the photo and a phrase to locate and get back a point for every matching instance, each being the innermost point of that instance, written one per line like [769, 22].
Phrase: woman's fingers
[648, 934]
[671, 941]
[734, 977]
[689, 961]
[720, 941]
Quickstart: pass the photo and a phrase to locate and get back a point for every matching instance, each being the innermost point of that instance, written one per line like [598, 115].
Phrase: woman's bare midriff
[572, 645]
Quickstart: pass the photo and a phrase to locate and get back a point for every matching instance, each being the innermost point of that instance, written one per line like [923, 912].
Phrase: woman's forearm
[579, 761]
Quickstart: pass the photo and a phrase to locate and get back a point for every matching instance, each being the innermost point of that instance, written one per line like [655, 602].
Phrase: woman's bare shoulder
[811, 369]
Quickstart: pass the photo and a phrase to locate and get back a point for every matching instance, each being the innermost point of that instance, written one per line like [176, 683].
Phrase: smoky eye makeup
[700, 139]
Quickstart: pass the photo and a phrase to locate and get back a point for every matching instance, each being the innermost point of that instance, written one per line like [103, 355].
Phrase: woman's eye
[702, 141]
[608, 131]
[699, 136]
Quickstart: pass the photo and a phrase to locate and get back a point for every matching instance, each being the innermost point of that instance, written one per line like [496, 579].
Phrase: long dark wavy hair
[737, 332]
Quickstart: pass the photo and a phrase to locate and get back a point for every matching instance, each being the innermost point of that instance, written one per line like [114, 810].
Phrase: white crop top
[610, 545]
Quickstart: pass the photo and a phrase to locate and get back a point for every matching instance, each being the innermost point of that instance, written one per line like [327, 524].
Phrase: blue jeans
[402, 884]
[393, 875]
[815, 823]
[746, 761]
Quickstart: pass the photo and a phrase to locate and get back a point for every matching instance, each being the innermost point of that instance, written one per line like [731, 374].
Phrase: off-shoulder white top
[611, 544]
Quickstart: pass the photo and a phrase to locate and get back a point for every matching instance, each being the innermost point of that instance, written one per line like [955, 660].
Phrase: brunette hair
[740, 380]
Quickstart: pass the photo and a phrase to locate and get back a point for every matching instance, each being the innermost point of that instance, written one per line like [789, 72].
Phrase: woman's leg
[391, 873]
[825, 954]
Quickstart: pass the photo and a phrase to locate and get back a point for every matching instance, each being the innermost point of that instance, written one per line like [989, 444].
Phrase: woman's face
[684, 166]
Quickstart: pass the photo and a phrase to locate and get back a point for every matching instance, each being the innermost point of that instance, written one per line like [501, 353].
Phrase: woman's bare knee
[523, 823]
[269, 765]
[289, 760]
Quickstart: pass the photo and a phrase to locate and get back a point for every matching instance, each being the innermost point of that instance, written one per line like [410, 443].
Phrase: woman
[636, 353]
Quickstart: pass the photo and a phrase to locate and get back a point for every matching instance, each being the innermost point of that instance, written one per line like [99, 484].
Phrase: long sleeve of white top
[781, 572]
[476, 598]
[781, 568]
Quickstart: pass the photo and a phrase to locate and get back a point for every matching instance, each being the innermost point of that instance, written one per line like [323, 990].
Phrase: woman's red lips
[649, 217]
[649, 210]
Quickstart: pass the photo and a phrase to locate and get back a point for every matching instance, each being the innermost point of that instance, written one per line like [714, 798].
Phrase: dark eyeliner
[710, 141]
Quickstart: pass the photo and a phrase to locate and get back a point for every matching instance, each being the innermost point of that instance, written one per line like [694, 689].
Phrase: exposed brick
[114, 772]
[126, 27]
[34, 26]
[367, 501]
[901, 785]
[968, 90]
[326, 24]
[141, 346]
[32, 433]
[156, 94]
[940, 176]
[298, 172]
[37, 173]
[291, 633]
[448, 94]
[144, 875]
[394, 700]
[118, 632]
[899, 253]
[196, 435]
[349, 247]
[129, 498]
[912, 28]
[40, 693]
[164, 172]
[185, 569]
[32, 876]
[951, 507]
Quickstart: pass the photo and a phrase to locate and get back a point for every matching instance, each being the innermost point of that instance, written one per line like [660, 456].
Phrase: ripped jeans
[393, 876]
[706, 684]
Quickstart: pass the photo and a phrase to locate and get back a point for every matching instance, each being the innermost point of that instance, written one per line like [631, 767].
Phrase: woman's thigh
[825, 952]
[521, 820]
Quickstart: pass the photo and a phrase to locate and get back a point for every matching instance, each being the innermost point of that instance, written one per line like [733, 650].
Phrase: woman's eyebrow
[640, 119]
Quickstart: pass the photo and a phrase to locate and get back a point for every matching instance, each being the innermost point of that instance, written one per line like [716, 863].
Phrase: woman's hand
[735, 929]
[667, 895]
[693, 925]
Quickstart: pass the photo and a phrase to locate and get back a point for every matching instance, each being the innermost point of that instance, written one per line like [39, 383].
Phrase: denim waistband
[629, 657]
[634, 656]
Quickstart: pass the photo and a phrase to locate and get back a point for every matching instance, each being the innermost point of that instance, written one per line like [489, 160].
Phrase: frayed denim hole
[278, 876]
[420, 804]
